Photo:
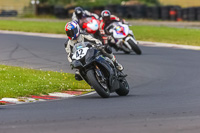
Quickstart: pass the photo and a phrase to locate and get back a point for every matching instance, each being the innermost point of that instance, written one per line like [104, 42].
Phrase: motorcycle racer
[105, 20]
[79, 13]
[75, 36]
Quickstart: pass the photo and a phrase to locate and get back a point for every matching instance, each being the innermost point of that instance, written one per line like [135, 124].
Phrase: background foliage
[93, 2]
[150, 2]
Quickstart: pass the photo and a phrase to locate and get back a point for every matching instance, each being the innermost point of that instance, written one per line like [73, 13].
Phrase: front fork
[99, 74]
[126, 41]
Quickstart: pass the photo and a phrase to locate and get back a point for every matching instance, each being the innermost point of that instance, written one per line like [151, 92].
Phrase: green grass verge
[33, 26]
[167, 35]
[144, 33]
[17, 81]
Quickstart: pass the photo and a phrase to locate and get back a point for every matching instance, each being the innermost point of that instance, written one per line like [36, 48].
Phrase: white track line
[157, 44]
[145, 43]
[34, 34]
[62, 95]
[11, 100]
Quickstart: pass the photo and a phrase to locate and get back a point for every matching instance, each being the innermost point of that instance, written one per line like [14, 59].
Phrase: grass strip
[164, 34]
[17, 82]
[33, 26]
[144, 33]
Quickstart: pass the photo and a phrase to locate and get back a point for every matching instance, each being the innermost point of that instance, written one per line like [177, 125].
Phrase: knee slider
[108, 49]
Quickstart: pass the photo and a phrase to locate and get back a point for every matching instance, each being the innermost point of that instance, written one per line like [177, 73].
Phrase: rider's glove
[72, 67]
[109, 37]
[99, 46]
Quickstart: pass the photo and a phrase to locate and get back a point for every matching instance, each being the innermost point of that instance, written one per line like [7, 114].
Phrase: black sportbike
[98, 71]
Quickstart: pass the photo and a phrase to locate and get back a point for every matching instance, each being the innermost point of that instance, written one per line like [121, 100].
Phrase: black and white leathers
[69, 44]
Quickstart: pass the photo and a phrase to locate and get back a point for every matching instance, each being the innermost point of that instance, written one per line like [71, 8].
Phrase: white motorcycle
[122, 38]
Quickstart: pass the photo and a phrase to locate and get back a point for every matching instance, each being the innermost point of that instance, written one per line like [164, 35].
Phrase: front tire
[104, 93]
[124, 88]
[134, 47]
[125, 49]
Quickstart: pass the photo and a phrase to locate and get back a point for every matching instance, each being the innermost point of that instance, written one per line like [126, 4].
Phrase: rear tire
[134, 47]
[104, 93]
[124, 88]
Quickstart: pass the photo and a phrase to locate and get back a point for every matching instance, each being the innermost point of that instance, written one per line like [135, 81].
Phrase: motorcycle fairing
[120, 31]
[113, 80]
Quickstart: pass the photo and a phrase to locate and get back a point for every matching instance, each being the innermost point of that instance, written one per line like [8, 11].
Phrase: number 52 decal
[80, 53]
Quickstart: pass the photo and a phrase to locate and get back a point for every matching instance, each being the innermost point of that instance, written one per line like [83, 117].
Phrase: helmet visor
[106, 18]
[79, 15]
[70, 33]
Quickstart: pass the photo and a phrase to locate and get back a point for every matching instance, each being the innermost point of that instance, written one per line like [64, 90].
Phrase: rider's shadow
[117, 53]
[96, 96]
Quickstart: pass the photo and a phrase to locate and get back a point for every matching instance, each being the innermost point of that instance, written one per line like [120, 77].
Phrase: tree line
[89, 3]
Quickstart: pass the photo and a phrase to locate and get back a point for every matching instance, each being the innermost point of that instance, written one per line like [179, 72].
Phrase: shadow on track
[111, 97]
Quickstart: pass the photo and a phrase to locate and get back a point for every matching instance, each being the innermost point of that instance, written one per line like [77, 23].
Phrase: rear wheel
[99, 85]
[124, 88]
[134, 47]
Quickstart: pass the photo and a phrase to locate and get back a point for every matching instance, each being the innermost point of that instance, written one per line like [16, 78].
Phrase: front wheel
[124, 88]
[100, 88]
[134, 47]
[125, 49]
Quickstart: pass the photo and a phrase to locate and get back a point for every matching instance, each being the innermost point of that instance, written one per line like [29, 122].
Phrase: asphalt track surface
[164, 92]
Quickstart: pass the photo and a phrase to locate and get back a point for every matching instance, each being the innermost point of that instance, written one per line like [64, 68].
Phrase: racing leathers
[103, 26]
[83, 37]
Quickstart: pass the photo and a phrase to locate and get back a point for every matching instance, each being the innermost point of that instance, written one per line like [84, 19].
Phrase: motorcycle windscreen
[120, 31]
[90, 55]
[70, 33]
[77, 46]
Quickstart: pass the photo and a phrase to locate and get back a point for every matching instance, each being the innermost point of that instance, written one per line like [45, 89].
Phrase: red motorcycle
[90, 25]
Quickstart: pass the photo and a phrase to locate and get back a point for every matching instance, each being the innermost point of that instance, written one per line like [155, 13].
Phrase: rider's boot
[120, 68]
[78, 76]
[117, 64]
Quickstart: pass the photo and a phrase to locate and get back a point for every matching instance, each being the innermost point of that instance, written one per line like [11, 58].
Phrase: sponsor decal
[69, 27]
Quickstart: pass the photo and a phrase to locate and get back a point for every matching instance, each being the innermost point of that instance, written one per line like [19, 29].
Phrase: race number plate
[80, 53]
